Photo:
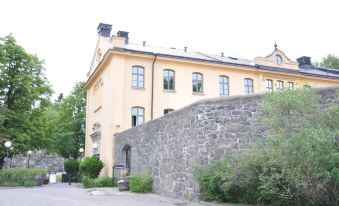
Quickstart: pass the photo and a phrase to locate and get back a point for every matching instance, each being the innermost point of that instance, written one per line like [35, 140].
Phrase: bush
[72, 167]
[297, 165]
[104, 182]
[89, 182]
[30, 183]
[18, 176]
[140, 183]
[91, 167]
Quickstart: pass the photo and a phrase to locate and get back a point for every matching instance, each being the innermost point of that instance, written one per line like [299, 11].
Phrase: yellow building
[129, 84]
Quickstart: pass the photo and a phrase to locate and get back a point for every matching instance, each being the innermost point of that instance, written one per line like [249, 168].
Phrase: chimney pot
[185, 48]
[123, 34]
[305, 62]
[144, 43]
[222, 54]
[104, 30]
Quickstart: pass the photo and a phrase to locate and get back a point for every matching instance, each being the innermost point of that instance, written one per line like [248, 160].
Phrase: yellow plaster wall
[119, 97]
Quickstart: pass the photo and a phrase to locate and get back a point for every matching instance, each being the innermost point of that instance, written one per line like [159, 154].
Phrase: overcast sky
[63, 32]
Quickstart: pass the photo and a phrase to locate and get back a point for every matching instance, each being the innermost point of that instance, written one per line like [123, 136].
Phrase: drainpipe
[152, 94]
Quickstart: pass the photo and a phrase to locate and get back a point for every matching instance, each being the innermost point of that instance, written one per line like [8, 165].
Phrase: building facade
[129, 84]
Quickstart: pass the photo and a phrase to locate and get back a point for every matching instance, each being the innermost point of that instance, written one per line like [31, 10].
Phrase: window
[197, 82]
[248, 84]
[307, 86]
[138, 114]
[168, 79]
[290, 85]
[166, 111]
[223, 85]
[278, 59]
[97, 93]
[137, 77]
[269, 85]
[280, 85]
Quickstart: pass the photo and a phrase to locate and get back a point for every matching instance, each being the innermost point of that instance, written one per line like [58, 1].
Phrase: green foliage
[88, 182]
[140, 183]
[20, 176]
[30, 183]
[330, 61]
[91, 167]
[66, 120]
[287, 111]
[298, 165]
[72, 167]
[99, 182]
[24, 93]
[104, 182]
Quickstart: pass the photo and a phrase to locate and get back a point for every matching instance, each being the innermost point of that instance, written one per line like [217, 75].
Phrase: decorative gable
[277, 59]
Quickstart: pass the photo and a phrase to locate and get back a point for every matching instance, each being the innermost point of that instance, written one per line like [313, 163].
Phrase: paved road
[62, 194]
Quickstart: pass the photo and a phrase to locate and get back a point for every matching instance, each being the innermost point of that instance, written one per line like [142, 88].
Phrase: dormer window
[278, 59]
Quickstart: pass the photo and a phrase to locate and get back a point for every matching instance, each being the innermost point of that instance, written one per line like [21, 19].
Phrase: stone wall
[169, 147]
[37, 159]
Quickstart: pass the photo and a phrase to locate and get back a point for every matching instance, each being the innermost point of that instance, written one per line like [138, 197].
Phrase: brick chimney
[104, 30]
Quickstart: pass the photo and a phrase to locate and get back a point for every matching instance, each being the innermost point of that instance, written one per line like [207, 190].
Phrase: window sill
[97, 109]
[198, 93]
[169, 91]
[138, 88]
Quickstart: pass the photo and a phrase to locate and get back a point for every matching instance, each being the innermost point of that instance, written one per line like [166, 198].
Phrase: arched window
[138, 77]
[278, 59]
[169, 77]
[223, 85]
[126, 157]
[138, 116]
[166, 111]
[248, 85]
[197, 82]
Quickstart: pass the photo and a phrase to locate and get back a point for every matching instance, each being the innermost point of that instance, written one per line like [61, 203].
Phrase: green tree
[67, 122]
[72, 168]
[330, 61]
[24, 94]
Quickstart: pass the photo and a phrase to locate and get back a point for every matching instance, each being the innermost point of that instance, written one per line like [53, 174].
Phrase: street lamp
[29, 152]
[8, 144]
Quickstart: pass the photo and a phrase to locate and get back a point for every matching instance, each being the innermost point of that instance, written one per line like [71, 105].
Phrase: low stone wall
[37, 159]
[169, 147]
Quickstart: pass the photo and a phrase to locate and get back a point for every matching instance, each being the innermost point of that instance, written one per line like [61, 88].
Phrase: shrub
[30, 183]
[91, 167]
[89, 182]
[72, 167]
[297, 165]
[140, 183]
[104, 182]
[17, 176]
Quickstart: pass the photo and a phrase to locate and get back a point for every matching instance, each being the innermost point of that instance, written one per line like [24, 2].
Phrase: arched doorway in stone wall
[126, 157]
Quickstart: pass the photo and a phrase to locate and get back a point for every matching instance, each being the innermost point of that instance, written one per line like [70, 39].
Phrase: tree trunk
[2, 162]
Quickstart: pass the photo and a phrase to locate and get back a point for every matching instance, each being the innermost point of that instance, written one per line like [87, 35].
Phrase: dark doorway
[126, 156]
